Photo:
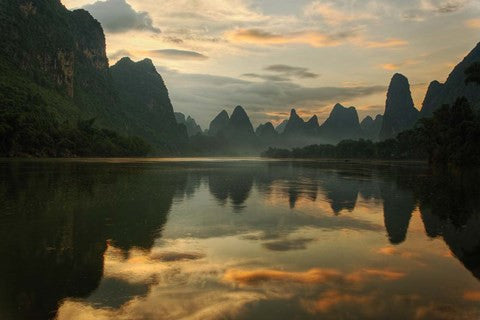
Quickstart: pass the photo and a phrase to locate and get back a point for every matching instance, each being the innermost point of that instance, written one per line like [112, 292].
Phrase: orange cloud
[312, 276]
[334, 16]
[472, 295]
[333, 298]
[312, 38]
[363, 275]
[388, 43]
[473, 23]
[396, 66]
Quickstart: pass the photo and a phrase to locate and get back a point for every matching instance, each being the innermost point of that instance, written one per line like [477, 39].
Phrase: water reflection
[265, 240]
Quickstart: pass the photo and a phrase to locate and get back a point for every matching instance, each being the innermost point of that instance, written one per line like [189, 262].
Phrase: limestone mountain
[239, 126]
[454, 87]
[281, 127]
[295, 125]
[266, 133]
[192, 127]
[219, 123]
[400, 112]
[371, 127]
[58, 58]
[145, 103]
[312, 126]
[342, 123]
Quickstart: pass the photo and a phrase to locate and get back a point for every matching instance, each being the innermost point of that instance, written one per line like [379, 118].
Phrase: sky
[273, 55]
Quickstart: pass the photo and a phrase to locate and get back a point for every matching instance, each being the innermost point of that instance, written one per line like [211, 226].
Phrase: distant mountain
[219, 123]
[192, 127]
[266, 130]
[295, 125]
[281, 127]
[343, 123]
[312, 126]
[400, 113]
[454, 87]
[371, 128]
[267, 134]
[145, 102]
[239, 127]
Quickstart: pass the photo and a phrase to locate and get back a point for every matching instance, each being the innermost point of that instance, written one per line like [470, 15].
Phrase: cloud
[288, 245]
[118, 16]
[253, 277]
[174, 54]
[310, 37]
[332, 298]
[119, 54]
[472, 295]
[312, 276]
[203, 95]
[397, 66]
[473, 23]
[388, 43]
[283, 73]
[291, 71]
[335, 16]
[176, 256]
[265, 77]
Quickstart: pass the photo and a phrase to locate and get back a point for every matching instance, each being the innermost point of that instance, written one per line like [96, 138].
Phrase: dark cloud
[291, 71]
[176, 256]
[450, 7]
[288, 245]
[119, 16]
[266, 77]
[203, 95]
[174, 54]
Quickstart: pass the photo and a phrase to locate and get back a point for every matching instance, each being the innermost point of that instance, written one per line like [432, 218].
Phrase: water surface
[237, 239]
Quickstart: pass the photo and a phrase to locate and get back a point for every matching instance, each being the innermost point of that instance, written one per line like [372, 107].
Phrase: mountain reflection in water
[237, 240]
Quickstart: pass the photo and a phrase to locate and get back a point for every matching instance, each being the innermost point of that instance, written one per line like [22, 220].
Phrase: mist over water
[237, 239]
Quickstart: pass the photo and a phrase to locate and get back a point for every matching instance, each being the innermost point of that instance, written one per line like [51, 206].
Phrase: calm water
[237, 240]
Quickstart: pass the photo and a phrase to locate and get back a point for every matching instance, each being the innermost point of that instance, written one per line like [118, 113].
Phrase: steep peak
[293, 114]
[399, 77]
[367, 119]
[313, 119]
[238, 109]
[337, 107]
[125, 61]
[378, 117]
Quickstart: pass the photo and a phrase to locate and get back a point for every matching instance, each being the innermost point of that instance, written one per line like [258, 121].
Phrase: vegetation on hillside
[449, 137]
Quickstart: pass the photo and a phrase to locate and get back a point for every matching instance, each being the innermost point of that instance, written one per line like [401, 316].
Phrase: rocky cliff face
[439, 94]
[145, 102]
[371, 127]
[400, 113]
[219, 123]
[343, 123]
[56, 46]
[64, 53]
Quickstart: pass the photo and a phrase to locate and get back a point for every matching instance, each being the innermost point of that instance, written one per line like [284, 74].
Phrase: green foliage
[473, 74]
[27, 128]
[452, 135]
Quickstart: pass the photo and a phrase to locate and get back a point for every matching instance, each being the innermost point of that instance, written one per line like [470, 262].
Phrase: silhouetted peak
[338, 107]
[366, 122]
[378, 117]
[124, 61]
[313, 119]
[239, 114]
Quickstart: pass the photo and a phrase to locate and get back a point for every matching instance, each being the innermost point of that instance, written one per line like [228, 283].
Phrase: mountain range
[56, 84]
